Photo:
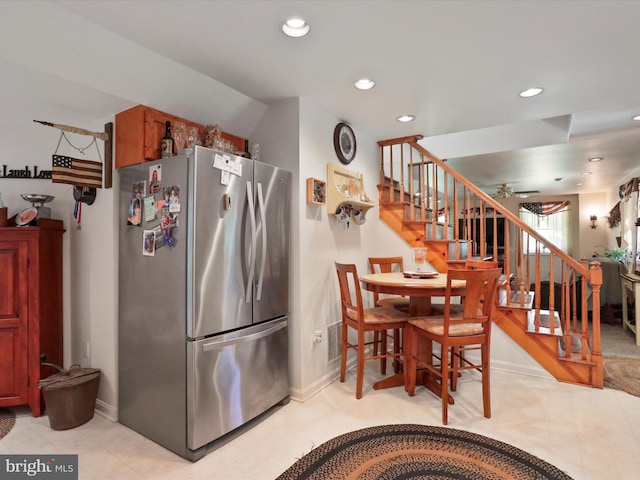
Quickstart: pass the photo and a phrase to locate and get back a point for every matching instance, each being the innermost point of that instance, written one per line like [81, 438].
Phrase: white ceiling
[457, 66]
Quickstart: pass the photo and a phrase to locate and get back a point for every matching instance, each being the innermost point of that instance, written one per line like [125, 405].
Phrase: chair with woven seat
[387, 265]
[362, 320]
[470, 328]
[457, 308]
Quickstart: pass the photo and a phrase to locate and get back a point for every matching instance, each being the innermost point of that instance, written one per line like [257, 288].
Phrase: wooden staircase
[430, 205]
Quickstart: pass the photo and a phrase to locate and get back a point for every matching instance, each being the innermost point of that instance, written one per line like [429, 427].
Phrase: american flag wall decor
[75, 171]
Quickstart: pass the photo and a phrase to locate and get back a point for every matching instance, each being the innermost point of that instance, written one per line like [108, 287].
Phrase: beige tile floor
[591, 434]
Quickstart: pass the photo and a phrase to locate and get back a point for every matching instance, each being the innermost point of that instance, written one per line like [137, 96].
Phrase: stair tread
[544, 323]
[528, 300]
[576, 358]
[415, 222]
[516, 318]
[514, 302]
[545, 331]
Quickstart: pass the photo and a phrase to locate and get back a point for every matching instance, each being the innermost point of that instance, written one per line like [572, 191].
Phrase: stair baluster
[431, 205]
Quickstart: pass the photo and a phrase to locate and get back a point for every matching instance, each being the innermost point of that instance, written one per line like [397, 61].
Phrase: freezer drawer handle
[249, 338]
[251, 259]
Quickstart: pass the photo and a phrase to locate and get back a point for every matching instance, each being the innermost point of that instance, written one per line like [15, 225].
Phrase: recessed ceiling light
[585, 174]
[364, 84]
[295, 27]
[406, 118]
[596, 159]
[531, 92]
[579, 184]
[637, 117]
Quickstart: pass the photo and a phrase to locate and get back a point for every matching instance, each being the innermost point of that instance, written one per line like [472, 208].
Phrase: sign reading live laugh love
[25, 173]
[39, 467]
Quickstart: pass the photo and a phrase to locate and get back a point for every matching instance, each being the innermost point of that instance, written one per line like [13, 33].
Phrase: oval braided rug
[7, 421]
[394, 452]
[622, 373]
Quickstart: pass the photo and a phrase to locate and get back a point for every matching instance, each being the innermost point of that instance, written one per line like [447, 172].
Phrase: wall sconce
[593, 219]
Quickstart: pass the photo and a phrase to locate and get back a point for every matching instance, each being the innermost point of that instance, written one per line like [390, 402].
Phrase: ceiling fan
[505, 190]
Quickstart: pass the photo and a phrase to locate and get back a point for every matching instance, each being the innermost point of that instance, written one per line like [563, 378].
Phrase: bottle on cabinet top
[167, 142]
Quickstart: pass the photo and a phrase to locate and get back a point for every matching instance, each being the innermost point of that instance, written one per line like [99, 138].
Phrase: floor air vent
[334, 341]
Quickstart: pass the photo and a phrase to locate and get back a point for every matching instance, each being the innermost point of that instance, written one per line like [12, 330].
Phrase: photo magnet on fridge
[174, 199]
[135, 212]
[149, 243]
[149, 209]
[138, 189]
[155, 179]
[159, 235]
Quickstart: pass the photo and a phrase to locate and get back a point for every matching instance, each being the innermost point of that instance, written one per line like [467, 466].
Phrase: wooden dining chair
[472, 327]
[459, 352]
[380, 339]
[388, 265]
[362, 320]
[456, 308]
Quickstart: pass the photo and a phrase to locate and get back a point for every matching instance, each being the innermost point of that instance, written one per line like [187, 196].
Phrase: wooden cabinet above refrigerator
[139, 131]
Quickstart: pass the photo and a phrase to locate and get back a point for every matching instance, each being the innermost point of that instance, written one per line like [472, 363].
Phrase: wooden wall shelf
[346, 187]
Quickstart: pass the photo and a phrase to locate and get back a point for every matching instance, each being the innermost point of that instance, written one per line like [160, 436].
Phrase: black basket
[70, 396]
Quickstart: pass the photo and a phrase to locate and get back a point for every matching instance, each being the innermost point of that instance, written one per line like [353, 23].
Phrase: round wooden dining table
[420, 291]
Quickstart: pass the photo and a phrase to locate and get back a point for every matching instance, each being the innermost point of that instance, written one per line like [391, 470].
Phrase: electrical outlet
[317, 336]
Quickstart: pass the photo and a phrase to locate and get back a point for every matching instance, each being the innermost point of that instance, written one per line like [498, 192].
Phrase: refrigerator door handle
[263, 222]
[215, 345]
[251, 259]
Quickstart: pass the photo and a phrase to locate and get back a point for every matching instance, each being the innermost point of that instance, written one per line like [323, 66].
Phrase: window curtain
[552, 220]
[614, 216]
[545, 208]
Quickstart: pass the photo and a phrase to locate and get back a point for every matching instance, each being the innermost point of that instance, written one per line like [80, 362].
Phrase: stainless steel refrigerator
[203, 297]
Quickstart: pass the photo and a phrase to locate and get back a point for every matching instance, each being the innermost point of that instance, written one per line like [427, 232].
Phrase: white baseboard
[532, 371]
[302, 395]
[107, 411]
[509, 367]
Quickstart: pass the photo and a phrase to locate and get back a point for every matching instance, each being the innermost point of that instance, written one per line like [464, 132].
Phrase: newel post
[596, 353]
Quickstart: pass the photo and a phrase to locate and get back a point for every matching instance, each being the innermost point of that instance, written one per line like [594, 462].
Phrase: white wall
[278, 137]
[593, 240]
[89, 287]
[294, 134]
[324, 241]
[318, 240]
[304, 132]
[47, 55]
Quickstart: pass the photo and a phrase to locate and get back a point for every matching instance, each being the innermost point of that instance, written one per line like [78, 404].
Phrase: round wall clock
[344, 143]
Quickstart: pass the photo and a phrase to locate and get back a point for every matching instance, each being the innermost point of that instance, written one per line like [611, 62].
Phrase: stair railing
[456, 212]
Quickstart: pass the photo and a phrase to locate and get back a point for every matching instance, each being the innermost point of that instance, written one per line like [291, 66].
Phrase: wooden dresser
[30, 310]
